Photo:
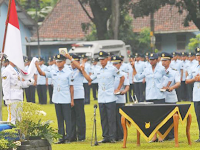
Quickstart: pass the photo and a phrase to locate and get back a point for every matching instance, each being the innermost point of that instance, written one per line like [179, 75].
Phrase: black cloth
[108, 120]
[63, 113]
[42, 93]
[156, 117]
[138, 90]
[50, 88]
[30, 94]
[87, 93]
[178, 92]
[78, 120]
[119, 130]
[94, 90]
[197, 112]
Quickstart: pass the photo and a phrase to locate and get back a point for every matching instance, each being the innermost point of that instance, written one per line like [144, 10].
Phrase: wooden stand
[175, 120]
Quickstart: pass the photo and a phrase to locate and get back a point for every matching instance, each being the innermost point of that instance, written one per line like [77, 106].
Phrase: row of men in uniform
[67, 85]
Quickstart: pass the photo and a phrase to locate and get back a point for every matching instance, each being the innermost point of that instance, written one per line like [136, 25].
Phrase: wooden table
[176, 116]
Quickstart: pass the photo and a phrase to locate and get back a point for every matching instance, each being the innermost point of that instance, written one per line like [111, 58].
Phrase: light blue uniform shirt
[177, 65]
[61, 85]
[196, 89]
[92, 69]
[121, 98]
[124, 67]
[41, 80]
[87, 70]
[106, 77]
[139, 66]
[171, 97]
[153, 82]
[184, 67]
[77, 78]
[130, 75]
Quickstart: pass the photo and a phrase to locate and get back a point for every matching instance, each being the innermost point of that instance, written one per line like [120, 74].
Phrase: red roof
[167, 20]
[64, 22]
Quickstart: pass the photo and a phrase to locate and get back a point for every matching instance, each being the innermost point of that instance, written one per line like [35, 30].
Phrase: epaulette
[174, 69]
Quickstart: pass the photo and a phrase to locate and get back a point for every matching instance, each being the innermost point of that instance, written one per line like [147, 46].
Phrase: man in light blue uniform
[95, 82]
[170, 94]
[189, 67]
[184, 93]
[116, 60]
[194, 77]
[106, 97]
[154, 76]
[78, 112]
[138, 84]
[177, 64]
[85, 82]
[50, 85]
[42, 83]
[130, 77]
[63, 96]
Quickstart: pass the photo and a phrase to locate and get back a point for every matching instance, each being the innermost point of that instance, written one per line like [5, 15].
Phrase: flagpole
[4, 41]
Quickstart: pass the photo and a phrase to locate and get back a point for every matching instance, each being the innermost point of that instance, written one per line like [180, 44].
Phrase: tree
[194, 42]
[145, 7]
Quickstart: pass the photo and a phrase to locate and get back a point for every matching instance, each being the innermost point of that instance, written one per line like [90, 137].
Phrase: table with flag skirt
[155, 118]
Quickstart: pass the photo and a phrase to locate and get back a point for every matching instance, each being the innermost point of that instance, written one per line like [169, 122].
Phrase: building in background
[27, 25]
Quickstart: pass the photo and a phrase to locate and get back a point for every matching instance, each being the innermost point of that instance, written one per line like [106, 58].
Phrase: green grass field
[131, 141]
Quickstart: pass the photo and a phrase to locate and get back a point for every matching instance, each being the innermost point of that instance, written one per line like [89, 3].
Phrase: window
[158, 44]
[181, 42]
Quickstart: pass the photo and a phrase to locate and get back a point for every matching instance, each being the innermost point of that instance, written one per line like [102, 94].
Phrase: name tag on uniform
[98, 73]
[54, 74]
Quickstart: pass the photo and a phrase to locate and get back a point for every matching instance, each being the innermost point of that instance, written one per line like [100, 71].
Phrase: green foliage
[7, 139]
[194, 42]
[31, 122]
[44, 7]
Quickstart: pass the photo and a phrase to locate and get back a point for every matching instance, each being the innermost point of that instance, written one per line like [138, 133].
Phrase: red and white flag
[13, 44]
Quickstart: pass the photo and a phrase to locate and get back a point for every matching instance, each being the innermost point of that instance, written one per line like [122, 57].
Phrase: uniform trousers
[87, 93]
[178, 92]
[190, 91]
[197, 111]
[42, 93]
[184, 93]
[130, 93]
[50, 88]
[138, 90]
[30, 94]
[13, 110]
[108, 120]
[94, 90]
[78, 120]
[63, 113]
[119, 130]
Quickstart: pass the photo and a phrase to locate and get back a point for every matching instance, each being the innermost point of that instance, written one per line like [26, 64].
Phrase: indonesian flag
[13, 44]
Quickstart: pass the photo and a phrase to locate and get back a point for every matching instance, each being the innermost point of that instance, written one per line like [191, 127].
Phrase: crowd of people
[161, 78]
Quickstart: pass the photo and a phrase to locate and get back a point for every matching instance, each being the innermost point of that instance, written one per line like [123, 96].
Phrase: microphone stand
[94, 131]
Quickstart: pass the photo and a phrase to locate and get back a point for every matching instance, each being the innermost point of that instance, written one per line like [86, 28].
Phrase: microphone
[95, 107]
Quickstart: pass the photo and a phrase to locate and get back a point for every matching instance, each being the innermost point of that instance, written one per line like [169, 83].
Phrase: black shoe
[104, 141]
[152, 141]
[73, 140]
[60, 142]
[198, 140]
[81, 140]
[112, 141]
